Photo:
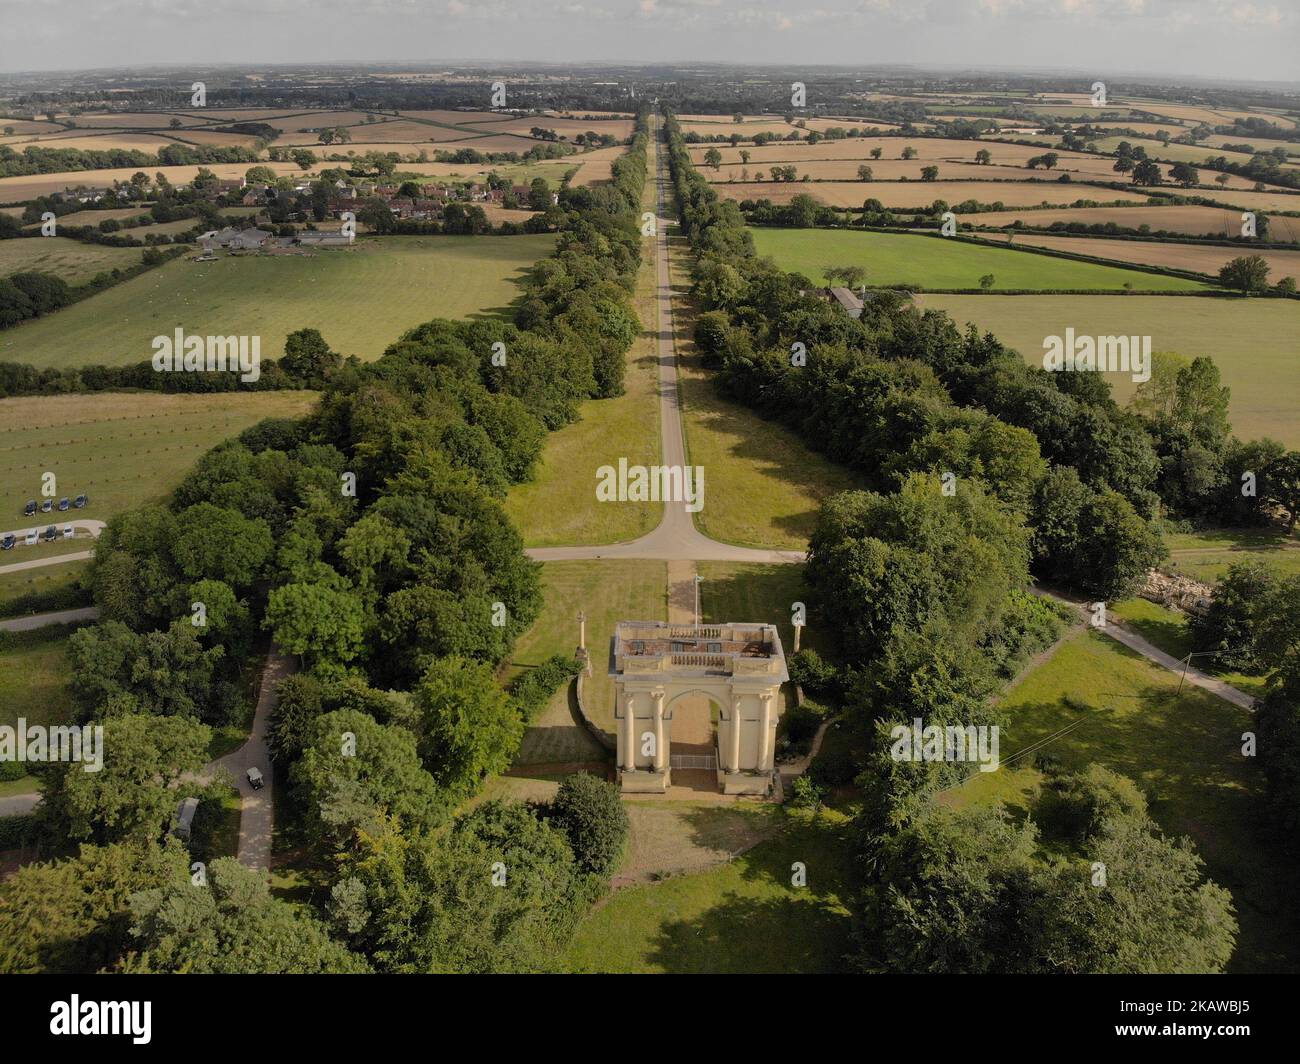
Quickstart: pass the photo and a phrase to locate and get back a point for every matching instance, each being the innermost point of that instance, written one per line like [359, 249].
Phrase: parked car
[8, 542]
[51, 534]
[33, 537]
[47, 506]
[30, 508]
[69, 531]
[80, 501]
[255, 778]
[64, 503]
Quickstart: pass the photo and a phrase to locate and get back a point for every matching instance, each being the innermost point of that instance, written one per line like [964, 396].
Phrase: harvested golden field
[137, 119]
[1184, 220]
[296, 123]
[109, 141]
[1211, 117]
[565, 127]
[1258, 143]
[860, 148]
[207, 138]
[497, 142]
[596, 165]
[496, 214]
[458, 118]
[1200, 258]
[19, 189]
[908, 194]
[1254, 201]
[22, 127]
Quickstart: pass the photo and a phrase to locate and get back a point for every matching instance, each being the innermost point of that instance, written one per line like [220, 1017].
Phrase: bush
[590, 812]
[16, 831]
[11, 770]
[833, 768]
[534, 688]
[806, 794]
[816, 676]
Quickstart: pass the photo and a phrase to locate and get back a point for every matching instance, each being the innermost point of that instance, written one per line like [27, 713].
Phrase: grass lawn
[33, 679]
[764, 486]
[1184, 752]
[362, 299]
[900, 258]
[608, 591]
[743, 916]
[559, 506]
[71, 260]
[1206, 556]
[44, 580]
[122, 450]
[1252, 341]
[1167, 629]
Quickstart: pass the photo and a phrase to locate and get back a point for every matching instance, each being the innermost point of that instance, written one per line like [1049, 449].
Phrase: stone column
[764, 735]
[735, 733]
[661, 755]
[629, 734]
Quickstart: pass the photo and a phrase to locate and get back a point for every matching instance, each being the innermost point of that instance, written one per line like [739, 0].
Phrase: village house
[254, 195]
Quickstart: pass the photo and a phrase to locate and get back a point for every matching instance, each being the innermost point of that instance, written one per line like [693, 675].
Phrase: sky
[1214, 39]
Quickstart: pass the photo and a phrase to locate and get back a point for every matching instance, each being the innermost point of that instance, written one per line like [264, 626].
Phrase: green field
[45, 580]
[121, 450]
[558, 507]
[1185, 753]
[932, 262]
[361, 299]
[764, 484]
[71, 260]
[744, 916]
[1206, 556]
[1252, 341]
[608, 592]
[33, 679]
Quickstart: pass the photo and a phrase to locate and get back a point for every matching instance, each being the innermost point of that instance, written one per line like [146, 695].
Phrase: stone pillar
[661, 755]
[629, 734]
[734, 766]
[798, 631]
[764, 735]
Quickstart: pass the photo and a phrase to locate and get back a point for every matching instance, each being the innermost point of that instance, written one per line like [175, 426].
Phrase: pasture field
[34, 680]
[775, 483]
[122, 450]
[608, 591]
[1182, 749]
[71, 260]
[26, 187]
[912, 194]
[1200, 258]
[361, 298]
[1252, 341]
[1258, 143]
[91, 217]
[1185, 220]
[900, 258]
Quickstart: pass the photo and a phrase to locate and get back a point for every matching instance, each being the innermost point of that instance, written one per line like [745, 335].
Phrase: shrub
[534, 688]
[816, 676]
[591, 813]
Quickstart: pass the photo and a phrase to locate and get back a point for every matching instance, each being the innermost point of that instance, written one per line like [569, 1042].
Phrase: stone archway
[739, 666]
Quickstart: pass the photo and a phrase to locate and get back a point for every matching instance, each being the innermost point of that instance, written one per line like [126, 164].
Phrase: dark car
[30, 508]
[51, 534]
[64, 504]
[47, 506]
[255, 778]
[80, 501]
[8, 542]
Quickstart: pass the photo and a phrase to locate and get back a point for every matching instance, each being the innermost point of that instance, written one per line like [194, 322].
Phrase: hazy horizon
[1217, 40]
